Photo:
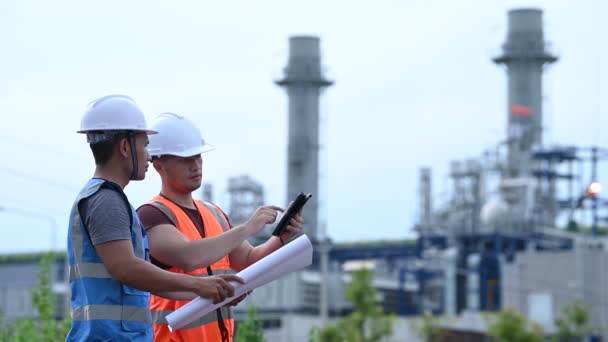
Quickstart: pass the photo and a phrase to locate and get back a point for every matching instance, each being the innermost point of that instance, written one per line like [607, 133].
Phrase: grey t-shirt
[106, 215]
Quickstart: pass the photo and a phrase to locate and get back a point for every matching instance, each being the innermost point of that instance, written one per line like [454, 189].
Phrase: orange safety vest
[207, 327]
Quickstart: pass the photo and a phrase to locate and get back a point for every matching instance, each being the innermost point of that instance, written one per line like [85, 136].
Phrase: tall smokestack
[304, 81]
[524, 55]
[426, 201]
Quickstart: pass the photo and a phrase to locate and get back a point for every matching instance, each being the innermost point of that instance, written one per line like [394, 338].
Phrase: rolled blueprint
[292, 257]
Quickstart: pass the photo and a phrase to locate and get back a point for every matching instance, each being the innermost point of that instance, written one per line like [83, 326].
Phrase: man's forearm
[143, 275]
[263, 250]
[206, 251]
[175, 295]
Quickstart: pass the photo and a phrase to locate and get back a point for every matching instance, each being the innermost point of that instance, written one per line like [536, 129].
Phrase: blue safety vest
[102, 308]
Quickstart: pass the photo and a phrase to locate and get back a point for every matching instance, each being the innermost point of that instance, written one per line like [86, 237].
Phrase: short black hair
[102, 151]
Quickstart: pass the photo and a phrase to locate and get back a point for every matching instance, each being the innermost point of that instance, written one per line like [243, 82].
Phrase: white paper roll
[294, 256]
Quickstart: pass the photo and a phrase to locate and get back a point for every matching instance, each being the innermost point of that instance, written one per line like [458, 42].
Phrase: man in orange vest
[193, 237]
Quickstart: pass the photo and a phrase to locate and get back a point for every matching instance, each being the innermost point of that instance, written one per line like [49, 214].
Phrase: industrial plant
[507, 236]
[494, 244]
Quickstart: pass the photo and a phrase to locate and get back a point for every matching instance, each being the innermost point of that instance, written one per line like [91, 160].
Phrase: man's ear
[158, 165]
[124, 148]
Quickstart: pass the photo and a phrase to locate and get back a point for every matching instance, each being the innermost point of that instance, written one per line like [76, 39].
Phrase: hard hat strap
[131, 138]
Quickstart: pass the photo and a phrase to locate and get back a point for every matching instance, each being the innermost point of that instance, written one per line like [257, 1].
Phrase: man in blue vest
[110, 274]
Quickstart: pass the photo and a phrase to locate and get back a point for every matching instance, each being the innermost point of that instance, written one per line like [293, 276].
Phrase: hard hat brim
[147, 131]
[186, 153]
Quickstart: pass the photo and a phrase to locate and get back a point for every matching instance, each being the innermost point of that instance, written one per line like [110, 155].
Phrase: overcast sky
[414, 87]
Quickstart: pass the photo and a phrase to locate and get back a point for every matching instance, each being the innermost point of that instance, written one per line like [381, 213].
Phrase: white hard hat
[177, 136]
[114, 113]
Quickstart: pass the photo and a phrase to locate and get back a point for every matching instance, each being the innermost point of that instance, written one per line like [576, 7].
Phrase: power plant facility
[493, 244]
[511, 232]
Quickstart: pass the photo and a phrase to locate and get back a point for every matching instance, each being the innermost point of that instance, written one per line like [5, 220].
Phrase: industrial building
[19, 277]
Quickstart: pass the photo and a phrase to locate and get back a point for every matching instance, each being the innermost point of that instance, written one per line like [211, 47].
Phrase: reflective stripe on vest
[88, 270]
[126, 313]
[159, 317]
[96, 297]
[218, 216]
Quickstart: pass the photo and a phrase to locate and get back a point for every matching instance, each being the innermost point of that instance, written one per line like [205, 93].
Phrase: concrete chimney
[524, 54]
[303, 80]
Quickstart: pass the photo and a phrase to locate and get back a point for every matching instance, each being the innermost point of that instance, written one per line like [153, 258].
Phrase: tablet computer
[297, 205]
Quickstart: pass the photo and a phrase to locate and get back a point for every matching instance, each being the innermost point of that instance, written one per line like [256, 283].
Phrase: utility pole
[594, 198]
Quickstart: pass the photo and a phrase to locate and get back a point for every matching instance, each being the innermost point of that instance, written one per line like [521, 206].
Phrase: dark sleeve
[106, 216]
[150, 216]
